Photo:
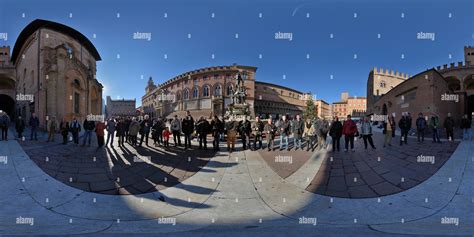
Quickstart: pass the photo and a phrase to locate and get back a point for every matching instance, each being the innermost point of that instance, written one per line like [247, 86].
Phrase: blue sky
[283, 62]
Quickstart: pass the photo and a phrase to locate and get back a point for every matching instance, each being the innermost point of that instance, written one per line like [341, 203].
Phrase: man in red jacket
[349, 130]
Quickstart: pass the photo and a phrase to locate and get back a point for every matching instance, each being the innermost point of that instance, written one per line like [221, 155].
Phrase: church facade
[50, 71]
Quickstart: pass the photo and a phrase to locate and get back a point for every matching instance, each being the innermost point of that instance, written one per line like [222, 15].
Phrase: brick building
[51, 71]
[206, 92]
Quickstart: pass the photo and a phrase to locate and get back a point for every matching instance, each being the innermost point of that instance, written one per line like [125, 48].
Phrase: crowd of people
[306, 134]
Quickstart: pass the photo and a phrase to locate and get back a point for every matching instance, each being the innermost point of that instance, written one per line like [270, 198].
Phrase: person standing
[366, 131]
[176, 130]
[323, 132]
[202, 129]
[52, 126]
[465, 126]
[75, 130]
[232, 127]
[257, 132]
[188, 128]
[120, 131]
[449, 126]
[217, 129]
[89, 127]
[389, 131]
[111, 126]
[270, 130]
[245, 129]
[284, 130]
[349, 130]
[166, 137]
[34, 124]
[133, 131]
[157, 131]
[99, 131]
[145, 126]
[404, 128]
[420, 128]
[297, 130]
[309, 134]
[127, 129]
[4, 124]
[20, 127]
[434, 124]
[335, 131]
[64, 129]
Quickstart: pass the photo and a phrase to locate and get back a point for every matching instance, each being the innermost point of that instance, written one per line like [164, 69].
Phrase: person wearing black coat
[449, 126]
[465, 126]
[64, 129]
[404, 125]
[202, 129]
[120, 131]
[335, 131]
[20, 126]
[157, 131]
[187, 126]
[217, 127]
[245, 128]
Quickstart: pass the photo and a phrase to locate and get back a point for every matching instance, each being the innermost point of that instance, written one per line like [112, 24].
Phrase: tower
[150, 86]
[469, 55]
[4, 54]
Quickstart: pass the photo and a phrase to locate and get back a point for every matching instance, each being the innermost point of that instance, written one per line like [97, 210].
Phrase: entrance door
[7, 104]
[470, 106]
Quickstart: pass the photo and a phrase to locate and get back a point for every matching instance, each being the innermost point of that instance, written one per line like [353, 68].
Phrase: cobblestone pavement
[118, 169]
[379, 172]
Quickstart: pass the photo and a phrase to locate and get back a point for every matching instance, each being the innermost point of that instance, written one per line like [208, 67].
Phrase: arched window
[186, 94]
[382, 84]
[218, 90]
[195, 92]
[230, 89]
[205, 91]
[178, 95]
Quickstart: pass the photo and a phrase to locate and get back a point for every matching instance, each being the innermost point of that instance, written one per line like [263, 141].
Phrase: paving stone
[385, 188]
[362, 191]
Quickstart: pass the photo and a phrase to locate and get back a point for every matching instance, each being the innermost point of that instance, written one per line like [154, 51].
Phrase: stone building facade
[324, 109]
[206, 92]
[435, 91]
[353, 105]
[51, 71]
[380, 82]
[120, 108]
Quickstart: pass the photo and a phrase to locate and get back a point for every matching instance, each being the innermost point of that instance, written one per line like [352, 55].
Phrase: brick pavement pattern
[117, 170]
[383, 171]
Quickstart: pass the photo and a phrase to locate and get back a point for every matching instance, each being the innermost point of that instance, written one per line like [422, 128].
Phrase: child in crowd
[166, 136]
